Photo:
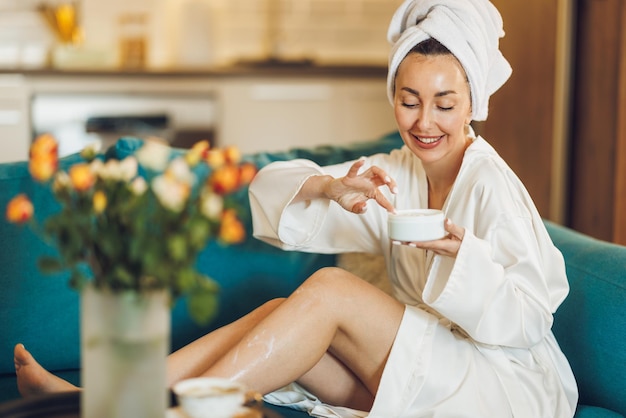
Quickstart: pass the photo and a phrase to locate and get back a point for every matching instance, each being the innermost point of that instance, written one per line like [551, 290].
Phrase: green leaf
[203, 305]
[77, 280]
[49, 265]
[199, 231]
[177, 245]
[186, 279]
[124, 277]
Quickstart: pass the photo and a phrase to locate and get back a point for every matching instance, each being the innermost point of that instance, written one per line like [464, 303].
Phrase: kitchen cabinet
[14, 132]
[255, 111]
[273, 115]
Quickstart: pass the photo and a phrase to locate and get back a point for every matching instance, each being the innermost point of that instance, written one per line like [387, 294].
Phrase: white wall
[195, 32]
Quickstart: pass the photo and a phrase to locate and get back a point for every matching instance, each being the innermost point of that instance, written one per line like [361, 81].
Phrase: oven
[78, 119]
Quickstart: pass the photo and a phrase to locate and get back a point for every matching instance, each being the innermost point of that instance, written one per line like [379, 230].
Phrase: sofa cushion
[585, 411]
[590, 325]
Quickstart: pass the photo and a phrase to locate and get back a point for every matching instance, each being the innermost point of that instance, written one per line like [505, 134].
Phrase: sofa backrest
[590, 325]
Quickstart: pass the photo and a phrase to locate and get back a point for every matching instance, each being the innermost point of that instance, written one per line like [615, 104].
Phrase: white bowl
[209, 397]
[415, 225]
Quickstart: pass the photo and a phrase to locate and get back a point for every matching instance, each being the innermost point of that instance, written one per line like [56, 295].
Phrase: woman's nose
[423, 120]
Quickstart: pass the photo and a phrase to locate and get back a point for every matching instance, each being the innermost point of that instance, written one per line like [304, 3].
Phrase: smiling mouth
[427, 139]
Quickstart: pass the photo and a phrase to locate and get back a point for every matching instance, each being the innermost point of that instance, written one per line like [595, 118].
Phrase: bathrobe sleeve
[320, 225]
[508, 277]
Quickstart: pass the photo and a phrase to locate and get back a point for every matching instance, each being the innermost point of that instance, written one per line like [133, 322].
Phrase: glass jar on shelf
[133, 40]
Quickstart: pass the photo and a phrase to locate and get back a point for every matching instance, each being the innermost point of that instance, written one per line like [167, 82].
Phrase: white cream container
[414, 225]
[208, 397]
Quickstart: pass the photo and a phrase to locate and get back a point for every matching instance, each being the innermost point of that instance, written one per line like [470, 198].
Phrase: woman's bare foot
[33, 379]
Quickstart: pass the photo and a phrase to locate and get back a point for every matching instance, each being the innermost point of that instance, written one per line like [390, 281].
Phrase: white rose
[172, 194]
[211, 205]
[153, 155]
[110, 170]
[179, 169]
[138, 186]
[128, 168]
[61, 181]
[96, 167]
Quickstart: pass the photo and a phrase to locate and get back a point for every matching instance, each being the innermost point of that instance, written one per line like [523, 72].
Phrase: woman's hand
[354, 190]
[448, 246]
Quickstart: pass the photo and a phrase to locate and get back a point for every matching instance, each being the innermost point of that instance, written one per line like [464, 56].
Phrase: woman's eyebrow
[444, 93]
[438, 94]
[410, 90]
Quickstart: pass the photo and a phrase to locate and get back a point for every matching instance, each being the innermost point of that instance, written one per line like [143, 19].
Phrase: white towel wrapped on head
[470, 29]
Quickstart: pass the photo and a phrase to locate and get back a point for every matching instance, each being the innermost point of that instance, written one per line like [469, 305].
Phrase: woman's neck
[438, 190]
[441, 177]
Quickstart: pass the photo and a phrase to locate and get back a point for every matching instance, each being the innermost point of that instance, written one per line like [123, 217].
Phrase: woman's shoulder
[483, 161]
[487, 175]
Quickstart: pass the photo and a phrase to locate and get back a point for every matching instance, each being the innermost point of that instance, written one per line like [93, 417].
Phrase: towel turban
[470, 29]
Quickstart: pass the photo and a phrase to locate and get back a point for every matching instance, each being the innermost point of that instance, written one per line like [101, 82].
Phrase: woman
[467, 332]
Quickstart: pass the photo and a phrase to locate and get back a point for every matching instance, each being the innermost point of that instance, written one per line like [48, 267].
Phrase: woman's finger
[354, 168]
[383, 178]
[448, 246]
[382, 201]
[455, 230]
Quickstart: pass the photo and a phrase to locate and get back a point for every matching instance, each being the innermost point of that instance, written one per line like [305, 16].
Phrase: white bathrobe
[475, 339]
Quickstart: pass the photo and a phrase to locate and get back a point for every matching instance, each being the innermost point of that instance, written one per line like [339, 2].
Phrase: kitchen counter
[253, 69]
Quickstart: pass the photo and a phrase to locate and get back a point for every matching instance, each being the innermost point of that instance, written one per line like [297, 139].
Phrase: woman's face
[432, 106]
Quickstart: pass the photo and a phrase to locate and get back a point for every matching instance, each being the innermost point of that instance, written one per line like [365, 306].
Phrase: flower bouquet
[129, 232]
[139, 223]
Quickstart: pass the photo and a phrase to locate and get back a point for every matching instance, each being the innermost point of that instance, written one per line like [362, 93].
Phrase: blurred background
[194, 33]
[269, 75]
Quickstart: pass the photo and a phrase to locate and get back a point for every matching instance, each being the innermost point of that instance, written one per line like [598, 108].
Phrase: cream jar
[414, 225]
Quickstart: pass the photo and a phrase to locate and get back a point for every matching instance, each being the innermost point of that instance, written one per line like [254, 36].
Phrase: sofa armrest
[590, 325]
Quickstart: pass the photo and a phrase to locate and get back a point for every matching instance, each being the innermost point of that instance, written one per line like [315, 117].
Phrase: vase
[125, 340]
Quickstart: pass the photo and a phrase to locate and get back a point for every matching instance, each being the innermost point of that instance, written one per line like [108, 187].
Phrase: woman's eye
[409, 105]
[445, 109]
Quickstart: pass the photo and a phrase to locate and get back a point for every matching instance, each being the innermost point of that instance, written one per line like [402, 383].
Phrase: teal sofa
[42, 312]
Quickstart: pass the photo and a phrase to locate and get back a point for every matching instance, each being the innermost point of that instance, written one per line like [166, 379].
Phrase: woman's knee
[272, 304]
[329, 284]
[331, 276]
[267, 308]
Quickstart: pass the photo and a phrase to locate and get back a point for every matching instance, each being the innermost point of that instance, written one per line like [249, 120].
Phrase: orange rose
[231, 228]
[82, 177]
[215, 158]
[225, 179]
[44, 158]
[198, 152]
[20, 209]
[232, 155]
[44, 146]
[42, 169]
[247, 172]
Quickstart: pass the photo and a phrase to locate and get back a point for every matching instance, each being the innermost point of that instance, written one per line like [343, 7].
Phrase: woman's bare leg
[189, 361]
[332, 311]
[333, 383]
[195, 358]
